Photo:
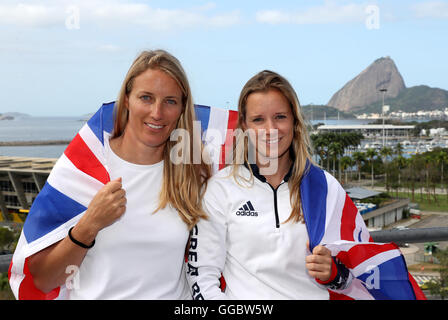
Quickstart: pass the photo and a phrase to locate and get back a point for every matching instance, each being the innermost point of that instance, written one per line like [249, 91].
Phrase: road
[416, 250]
[430, 220]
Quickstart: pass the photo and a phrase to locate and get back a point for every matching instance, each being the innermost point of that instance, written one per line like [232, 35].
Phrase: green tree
[320, 143]
[420, 167]
[6, 238]
[440, 286]
[441, 157]
[335, 150]
[350, 140]
[359, 157]
[400, 163]
[323, 140]
[371, 154]
[398, 149]
[428, 161]
[345, 162]
[411, 175]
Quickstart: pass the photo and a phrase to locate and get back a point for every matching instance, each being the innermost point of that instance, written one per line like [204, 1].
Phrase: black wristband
[340, 281]
[78, 242]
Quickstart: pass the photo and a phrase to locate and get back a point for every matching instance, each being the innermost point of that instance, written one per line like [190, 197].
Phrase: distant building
[386, 215]
[21, 179]
[374, 216]
[373, 131]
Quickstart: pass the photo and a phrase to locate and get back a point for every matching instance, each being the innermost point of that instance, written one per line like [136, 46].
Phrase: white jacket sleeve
[207, 253]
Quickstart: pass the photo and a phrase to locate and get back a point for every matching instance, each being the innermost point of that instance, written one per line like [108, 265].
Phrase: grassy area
[5, 290]
[440, 203]
[424, 266]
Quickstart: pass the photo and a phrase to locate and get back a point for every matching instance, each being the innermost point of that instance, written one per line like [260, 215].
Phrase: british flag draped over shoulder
[379, 270]
[73, 182]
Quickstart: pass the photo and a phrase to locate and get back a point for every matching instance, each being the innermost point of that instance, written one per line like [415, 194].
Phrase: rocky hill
[364, 89]
[411, 99]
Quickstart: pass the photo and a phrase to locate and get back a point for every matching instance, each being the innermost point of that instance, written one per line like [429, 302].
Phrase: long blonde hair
[300, 149]
[183, 184]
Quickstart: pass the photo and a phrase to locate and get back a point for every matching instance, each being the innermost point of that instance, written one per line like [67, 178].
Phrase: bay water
[38, 129]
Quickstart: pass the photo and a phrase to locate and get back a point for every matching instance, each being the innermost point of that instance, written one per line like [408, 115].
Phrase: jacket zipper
[277, 220]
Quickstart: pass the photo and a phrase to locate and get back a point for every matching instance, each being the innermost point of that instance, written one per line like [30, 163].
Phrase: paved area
[414, 253]
[422, 278]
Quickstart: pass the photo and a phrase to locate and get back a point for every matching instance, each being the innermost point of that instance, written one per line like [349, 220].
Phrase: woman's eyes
[277, 117]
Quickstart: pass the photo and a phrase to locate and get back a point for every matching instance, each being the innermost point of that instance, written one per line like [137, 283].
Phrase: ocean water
[38, 129]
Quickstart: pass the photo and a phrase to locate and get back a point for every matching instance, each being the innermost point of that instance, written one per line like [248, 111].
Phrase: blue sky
[67, 57]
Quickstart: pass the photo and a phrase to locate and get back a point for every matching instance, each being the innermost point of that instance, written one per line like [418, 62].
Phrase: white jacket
[245, 240]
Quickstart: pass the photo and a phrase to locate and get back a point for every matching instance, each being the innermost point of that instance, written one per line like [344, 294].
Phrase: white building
[371, 130]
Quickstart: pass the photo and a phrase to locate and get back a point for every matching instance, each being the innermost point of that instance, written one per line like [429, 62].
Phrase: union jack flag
[73, 182]
[82, 171]
[379, 270]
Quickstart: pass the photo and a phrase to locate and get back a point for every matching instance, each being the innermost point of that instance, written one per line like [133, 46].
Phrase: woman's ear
[126, 102]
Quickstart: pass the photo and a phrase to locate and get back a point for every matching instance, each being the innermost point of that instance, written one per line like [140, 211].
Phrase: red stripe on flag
[361, 252]
[28, 291]
[231, 125]
[419, 295]
[83, 158]
[222, 283]
[338, 296]
[348, 221]
[9, 270]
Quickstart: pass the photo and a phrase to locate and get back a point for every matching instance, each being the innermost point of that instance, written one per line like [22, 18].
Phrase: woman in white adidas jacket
[254, 235]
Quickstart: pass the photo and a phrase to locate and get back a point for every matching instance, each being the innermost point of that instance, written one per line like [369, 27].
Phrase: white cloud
[30, 15]
[159, 18]
[329, 12]
[432, 9]
[114, 13]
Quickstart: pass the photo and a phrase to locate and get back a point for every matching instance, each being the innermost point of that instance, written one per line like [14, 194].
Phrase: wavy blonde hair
[300, 149]
[183, 184]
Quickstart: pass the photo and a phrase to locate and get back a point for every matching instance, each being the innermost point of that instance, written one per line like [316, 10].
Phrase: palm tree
[371, 154]
[350, 140]
[335, 149]
[345, 162]
[320, 143]
[441, 157]
[359, 157]
[428, 160]
[419, 169]
[398, 149]
[400, 163]
[411, 164]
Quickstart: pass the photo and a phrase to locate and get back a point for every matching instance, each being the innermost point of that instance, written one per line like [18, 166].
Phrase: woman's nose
[270, 127]
[157, 111]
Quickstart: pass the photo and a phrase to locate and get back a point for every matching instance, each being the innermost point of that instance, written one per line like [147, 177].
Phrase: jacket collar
[256, 172]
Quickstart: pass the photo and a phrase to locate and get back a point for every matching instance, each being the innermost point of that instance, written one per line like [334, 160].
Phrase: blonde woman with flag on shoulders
[114, 218]
[278, 226]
